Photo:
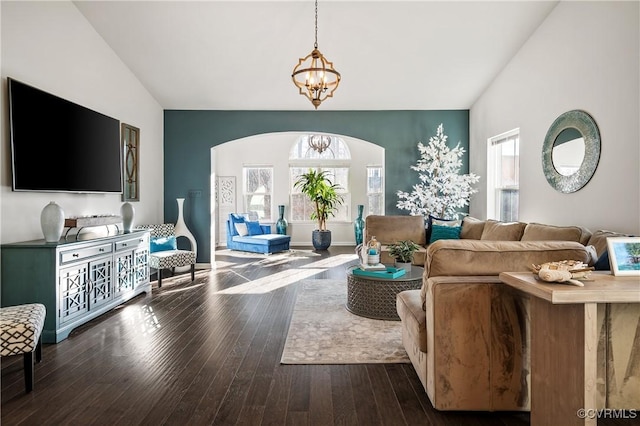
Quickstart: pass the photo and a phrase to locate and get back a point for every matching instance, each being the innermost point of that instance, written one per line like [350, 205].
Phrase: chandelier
[319, 143]
[314, 75]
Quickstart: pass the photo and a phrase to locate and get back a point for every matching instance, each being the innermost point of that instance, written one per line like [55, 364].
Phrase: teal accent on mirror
[189, 136]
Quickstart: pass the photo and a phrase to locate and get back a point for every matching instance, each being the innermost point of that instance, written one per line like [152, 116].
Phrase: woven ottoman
[20, 333]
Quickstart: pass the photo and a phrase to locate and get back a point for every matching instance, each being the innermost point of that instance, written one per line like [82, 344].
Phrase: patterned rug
[322, 331]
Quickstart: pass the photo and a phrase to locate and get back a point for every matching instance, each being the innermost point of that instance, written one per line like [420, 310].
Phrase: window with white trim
[257, 191]
[503, 176]
[375, 191]
[335, 159]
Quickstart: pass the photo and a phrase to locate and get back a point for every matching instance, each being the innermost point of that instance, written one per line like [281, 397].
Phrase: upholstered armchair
[164, 252]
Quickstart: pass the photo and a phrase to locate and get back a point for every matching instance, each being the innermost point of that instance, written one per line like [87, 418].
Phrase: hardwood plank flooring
[208, 352]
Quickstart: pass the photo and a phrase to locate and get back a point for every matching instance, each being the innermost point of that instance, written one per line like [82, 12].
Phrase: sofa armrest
[477, 358]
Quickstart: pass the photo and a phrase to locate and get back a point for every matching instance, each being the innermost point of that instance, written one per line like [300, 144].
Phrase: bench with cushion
[21, 334]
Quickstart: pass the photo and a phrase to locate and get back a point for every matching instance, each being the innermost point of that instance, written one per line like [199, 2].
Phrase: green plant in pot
[325, 197]
[403, 252]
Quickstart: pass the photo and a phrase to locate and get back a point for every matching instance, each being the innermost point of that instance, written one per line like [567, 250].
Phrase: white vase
[128, 213]
[181, 229]
[52, 222]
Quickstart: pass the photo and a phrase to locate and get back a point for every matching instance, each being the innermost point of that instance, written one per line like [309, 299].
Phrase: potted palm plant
[403, 252]
[326, 200]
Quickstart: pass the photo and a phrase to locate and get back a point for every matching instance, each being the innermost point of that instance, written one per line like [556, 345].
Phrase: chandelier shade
[314, 75]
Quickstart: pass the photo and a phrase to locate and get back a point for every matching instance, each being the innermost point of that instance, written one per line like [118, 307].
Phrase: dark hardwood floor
[208, 352]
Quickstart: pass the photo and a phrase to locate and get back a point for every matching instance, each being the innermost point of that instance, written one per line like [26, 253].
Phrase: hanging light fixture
[314, 75]
[319, 143]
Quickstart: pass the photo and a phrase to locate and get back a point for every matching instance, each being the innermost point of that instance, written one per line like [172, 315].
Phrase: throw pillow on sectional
[437, 221]
[445, 232]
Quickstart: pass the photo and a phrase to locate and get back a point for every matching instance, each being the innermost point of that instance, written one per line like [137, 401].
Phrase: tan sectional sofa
[467, 334]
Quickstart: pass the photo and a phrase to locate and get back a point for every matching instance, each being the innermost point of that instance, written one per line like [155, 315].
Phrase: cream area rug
[322, 331]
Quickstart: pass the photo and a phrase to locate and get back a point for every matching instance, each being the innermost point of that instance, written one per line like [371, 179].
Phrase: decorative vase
[127, 212]
[181, 229]
[281, 224]
[373, 251]
[358, 225]
[52, 222]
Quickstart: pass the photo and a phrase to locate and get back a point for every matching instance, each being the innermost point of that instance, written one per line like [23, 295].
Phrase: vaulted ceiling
[238, 55]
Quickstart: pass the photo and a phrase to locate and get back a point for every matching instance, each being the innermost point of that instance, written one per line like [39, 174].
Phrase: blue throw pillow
[440, 232]
[254, 228]
[437, 221]
[163, 244]
[602, 264]
[236, 218]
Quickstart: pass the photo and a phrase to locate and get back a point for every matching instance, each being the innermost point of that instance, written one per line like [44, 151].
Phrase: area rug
[322, 331]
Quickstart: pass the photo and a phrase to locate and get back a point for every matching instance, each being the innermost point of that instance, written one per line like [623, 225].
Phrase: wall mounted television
[60, 146]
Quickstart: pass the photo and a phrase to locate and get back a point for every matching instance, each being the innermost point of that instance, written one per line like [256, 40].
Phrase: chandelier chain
[315, 44]
[314, 75]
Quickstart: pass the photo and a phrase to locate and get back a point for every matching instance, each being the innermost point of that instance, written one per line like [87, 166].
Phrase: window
[302, 206]
[334, 159]
[503, 176]
[375, 191]
[257, 191]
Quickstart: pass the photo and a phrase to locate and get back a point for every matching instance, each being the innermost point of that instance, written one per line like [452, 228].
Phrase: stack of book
[378, 271]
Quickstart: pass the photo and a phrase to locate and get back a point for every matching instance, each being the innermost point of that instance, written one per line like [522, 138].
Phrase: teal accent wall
[189, 136]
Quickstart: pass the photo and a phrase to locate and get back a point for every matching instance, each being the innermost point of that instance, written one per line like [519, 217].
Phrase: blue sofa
[258, 238]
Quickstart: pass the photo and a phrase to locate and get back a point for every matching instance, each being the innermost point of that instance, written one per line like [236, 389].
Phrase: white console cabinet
[77, 280]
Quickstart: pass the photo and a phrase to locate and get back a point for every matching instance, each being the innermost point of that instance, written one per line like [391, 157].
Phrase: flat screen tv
[60, 146]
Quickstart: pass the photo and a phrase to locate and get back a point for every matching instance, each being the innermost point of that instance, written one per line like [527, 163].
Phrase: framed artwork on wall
[130, 136]
[624, 255]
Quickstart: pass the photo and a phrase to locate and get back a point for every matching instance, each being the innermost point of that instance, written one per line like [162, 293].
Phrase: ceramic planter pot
[402, 265]
[321, 240]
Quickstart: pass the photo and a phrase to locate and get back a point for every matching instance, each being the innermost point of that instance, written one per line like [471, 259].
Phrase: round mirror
[568, 151]
[571, 151]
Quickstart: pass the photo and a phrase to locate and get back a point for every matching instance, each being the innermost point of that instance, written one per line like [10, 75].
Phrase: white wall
[51, 46]
[273, 150]
[585, 55]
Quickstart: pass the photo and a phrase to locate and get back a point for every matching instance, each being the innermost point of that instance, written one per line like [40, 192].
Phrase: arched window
[321, 152]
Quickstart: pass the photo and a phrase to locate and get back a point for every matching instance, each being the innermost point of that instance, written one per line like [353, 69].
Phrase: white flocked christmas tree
[442, 190]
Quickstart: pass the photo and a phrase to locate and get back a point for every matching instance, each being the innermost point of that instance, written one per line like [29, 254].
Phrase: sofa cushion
[393, 228]
[444, 232]
[495, 230]
[157, 244]
[414, 318]
[241, 228]
[432, 220]
[263, 240]
[471, 228]
[542, 232]
[599, 240]
[254, 228]
[236, 218]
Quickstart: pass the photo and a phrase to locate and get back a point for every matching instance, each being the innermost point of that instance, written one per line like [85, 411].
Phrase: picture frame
[624, 255]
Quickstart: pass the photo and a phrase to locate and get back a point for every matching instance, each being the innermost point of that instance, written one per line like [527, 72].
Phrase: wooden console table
[564, 341]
